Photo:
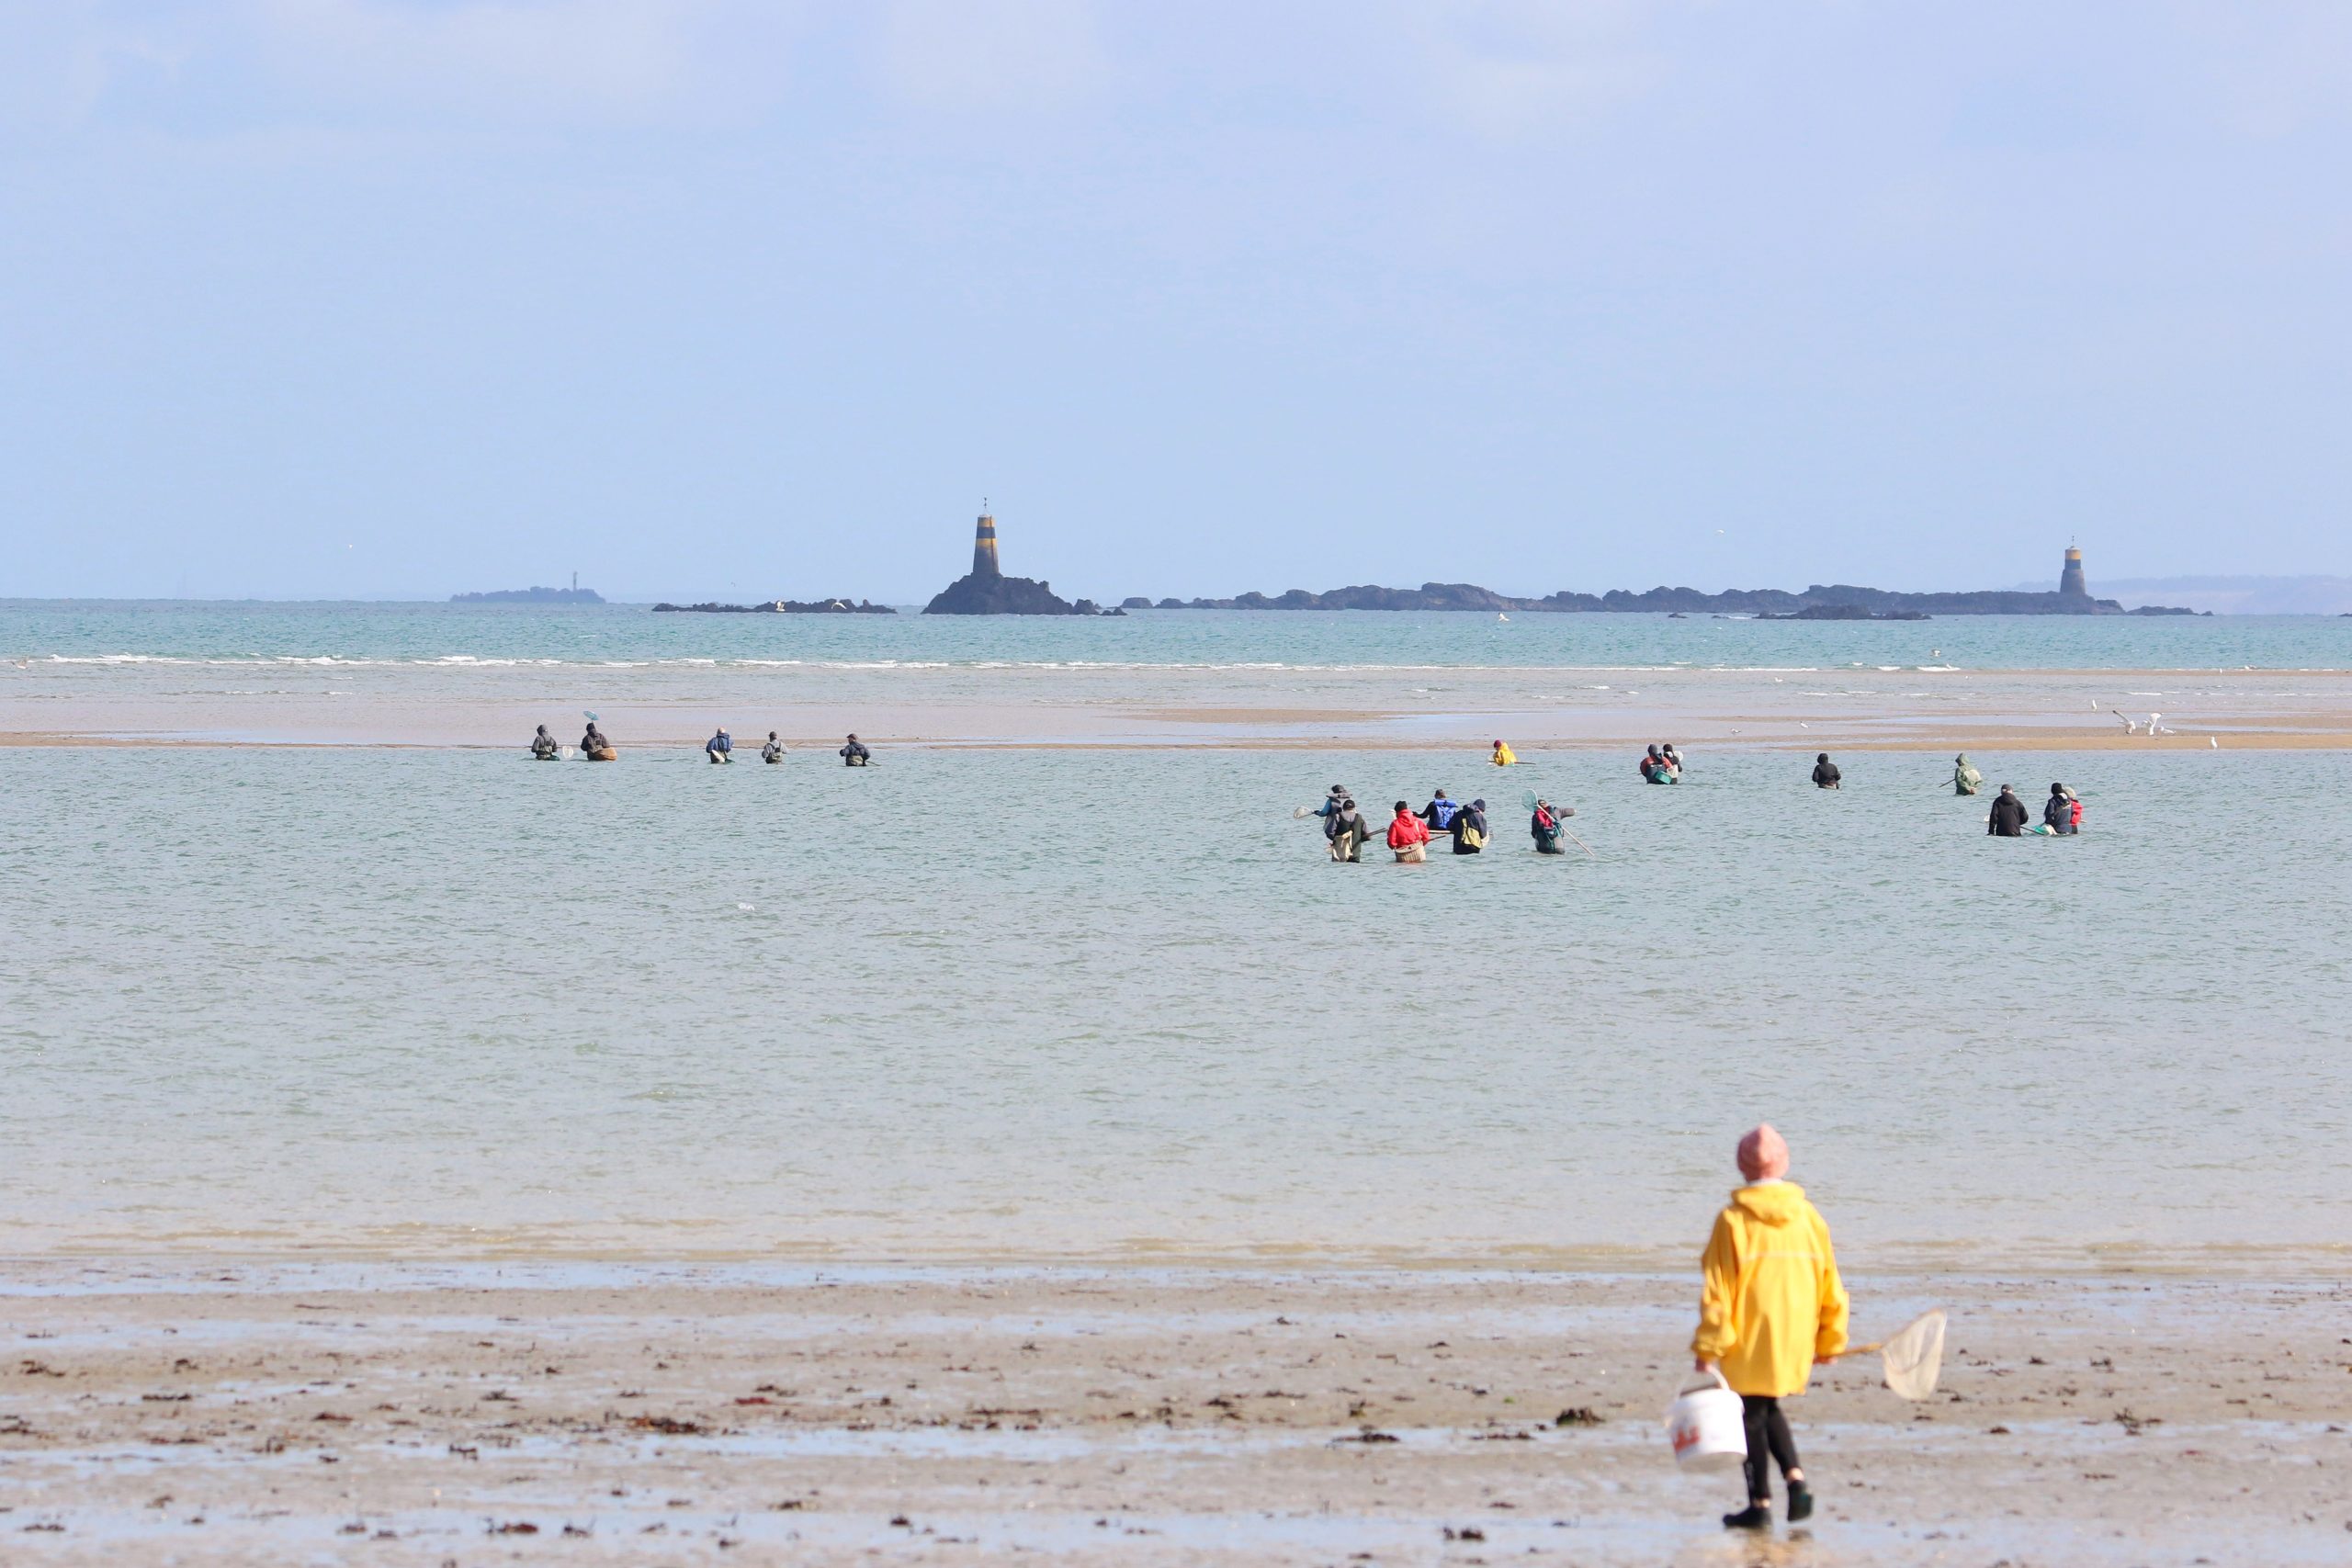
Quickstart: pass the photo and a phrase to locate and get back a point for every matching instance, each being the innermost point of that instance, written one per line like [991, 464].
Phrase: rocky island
[575, 594]
[1837, 600]
[986, 591]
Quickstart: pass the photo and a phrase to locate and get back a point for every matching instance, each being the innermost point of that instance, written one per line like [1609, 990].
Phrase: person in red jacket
[1409, 835]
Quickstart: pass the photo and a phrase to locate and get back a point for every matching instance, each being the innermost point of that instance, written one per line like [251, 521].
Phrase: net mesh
[1915, 1356]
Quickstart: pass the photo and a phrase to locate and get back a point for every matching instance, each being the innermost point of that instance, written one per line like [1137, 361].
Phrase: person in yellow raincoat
[1502, 757]
[1770, 1307]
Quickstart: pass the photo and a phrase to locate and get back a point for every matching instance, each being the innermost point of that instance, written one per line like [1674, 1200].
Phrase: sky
[754, 298]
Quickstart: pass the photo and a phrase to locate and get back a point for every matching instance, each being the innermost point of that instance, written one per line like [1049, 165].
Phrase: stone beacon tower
[984, 562]
[2070, 579]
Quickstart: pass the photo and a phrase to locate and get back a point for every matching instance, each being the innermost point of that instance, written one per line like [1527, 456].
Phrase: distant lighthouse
[2070, 579]
[984, 562]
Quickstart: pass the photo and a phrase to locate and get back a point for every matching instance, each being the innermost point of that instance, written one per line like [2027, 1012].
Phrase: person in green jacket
[1965, 779]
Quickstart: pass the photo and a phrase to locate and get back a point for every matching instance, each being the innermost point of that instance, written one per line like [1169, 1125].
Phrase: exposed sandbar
[234, 1413]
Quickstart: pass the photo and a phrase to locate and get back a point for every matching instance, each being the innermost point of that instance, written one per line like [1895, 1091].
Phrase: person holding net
[1771, 1306]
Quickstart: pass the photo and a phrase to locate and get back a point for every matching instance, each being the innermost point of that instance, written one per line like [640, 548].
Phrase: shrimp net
[1915, 1356]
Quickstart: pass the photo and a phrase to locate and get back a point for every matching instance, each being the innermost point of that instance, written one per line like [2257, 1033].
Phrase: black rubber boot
[1754, 1517]
[1800, 1501]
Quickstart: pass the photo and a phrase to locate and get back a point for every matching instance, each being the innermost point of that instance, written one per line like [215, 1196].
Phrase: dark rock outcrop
[1869, 603]
[976, 594]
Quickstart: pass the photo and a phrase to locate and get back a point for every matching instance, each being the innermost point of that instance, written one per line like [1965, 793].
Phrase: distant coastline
[782, 607]
[530, 596]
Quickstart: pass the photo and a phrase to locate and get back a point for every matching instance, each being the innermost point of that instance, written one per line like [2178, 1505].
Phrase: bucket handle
[1714, 1373]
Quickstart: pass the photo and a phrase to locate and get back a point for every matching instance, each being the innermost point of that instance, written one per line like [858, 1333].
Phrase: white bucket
[1704, 1424]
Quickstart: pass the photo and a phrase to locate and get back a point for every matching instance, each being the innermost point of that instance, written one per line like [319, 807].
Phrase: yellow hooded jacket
[1771, 1299]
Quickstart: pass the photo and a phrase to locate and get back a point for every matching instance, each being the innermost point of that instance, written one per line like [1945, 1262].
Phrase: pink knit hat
[1763, 1155]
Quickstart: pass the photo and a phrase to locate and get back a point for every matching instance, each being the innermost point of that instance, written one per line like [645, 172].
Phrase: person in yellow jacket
[1770, 1308]
[1502, 757]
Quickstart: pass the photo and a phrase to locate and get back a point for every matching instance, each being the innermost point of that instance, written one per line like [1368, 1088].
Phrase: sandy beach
[1425, 710]
[219, 1412]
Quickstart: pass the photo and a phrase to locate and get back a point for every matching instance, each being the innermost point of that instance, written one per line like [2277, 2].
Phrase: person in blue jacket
[718, 747]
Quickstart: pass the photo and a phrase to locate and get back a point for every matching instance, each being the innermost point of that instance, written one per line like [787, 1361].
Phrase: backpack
[1443, 811]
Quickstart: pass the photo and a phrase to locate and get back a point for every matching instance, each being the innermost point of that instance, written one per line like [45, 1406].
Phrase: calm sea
[1046, 1003]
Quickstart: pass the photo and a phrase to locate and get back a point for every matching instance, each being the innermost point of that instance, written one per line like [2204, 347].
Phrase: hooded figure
[2008, 820]
[1503, 757]
[1330, 806]
[1409, 835]
[2058, 811]
[1469, 828]
[1825, 772]
[1965, 779]
[1345, 830]
[596, 745]
[720, 747]
[1770, 1304]
[544, 748]
[1544, 824]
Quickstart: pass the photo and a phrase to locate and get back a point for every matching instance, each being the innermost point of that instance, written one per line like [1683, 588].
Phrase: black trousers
[1768, 1441]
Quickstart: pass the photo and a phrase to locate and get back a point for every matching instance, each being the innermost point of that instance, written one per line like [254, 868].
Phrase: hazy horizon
[370, 298]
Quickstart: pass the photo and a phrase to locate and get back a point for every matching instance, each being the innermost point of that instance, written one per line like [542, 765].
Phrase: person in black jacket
[2008, 814]
[1470, 819]
[1825, 772]
[1345, 830]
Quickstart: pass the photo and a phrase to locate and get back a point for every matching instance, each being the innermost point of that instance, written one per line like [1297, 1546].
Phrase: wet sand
[203, 1413]
[1423, 709]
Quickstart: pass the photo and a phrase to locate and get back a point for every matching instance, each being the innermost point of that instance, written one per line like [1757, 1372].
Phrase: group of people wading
[597, 747]
[1410, 832]
[2061, 812]
[594, 746]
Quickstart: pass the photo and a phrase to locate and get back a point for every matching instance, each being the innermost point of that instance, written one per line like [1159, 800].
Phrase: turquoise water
[43, 630]
[1089, 1003]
